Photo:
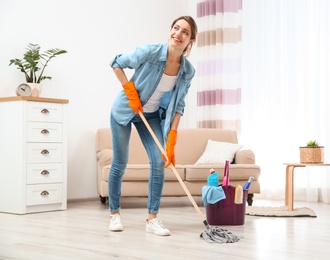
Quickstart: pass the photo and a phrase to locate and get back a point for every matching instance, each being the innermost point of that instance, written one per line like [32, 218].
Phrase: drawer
[44, 132]
[44, 112]
[40, 194]
[44, 173]
[44, 152]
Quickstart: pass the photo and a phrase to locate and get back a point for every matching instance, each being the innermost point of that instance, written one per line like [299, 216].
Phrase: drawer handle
[45, 111]
[44, 151]
[44, 131]
[44, 193]
[44, 172]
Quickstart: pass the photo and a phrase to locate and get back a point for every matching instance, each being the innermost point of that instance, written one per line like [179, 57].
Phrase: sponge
[238, 195]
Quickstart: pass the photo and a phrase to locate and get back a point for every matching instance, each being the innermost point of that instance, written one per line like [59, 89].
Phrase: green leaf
[312, 143]
[31, 62]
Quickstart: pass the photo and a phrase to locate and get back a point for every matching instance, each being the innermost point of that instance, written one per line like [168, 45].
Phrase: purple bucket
[226, 212]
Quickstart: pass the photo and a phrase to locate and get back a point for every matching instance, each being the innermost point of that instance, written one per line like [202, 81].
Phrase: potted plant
[312, 153]
[33, 66]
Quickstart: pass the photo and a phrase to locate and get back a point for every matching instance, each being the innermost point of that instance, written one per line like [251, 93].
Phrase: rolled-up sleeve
[132, 60]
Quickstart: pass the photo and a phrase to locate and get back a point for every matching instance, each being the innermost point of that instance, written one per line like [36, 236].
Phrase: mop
[212, 234]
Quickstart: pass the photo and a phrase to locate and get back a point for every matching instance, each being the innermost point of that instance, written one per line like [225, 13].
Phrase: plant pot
[311, 154]
[36, 89]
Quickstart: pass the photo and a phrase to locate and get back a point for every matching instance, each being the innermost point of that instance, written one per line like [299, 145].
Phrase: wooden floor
[81, 232]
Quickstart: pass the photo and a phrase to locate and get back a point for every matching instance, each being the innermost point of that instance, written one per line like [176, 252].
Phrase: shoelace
[116, 219]
[157, 223]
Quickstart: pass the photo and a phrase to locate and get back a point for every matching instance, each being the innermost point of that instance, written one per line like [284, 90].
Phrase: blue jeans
[120, 144]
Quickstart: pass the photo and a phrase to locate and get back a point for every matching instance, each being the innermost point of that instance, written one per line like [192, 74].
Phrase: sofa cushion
[218, 152]
[191, 143]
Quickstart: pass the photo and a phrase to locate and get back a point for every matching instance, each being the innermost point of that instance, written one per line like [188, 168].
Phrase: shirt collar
[163, 56]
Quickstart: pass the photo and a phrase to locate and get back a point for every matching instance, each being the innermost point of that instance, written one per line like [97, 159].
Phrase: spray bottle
[248, 184]
[213, 178]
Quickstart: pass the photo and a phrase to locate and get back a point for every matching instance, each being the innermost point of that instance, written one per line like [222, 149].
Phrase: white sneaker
[115, 223]
[156, 227]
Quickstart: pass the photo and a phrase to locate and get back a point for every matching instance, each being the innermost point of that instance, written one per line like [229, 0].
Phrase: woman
[158, 89]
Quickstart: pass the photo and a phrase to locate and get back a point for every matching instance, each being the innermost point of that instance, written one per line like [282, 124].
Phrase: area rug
[281, 211]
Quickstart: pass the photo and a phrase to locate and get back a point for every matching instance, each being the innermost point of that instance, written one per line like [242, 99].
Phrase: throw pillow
[218, 152]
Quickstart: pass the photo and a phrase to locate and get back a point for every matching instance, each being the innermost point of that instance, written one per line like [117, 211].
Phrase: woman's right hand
[133, 96]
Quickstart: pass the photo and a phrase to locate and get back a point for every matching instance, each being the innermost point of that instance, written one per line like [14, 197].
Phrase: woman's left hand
[171, 142]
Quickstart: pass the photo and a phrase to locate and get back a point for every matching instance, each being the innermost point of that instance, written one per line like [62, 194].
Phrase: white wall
[92, 32]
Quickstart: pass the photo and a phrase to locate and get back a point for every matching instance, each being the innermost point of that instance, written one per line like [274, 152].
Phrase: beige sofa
[190, 146]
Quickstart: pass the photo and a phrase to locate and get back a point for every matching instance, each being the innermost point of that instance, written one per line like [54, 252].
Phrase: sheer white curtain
[286, 91]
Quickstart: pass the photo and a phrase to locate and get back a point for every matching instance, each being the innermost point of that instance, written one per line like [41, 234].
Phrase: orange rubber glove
[133, 96]
[171, 142]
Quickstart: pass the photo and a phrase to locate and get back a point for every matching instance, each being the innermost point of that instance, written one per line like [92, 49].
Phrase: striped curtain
[218, 73]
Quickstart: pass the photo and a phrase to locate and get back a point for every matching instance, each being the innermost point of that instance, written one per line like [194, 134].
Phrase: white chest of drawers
[33, 155]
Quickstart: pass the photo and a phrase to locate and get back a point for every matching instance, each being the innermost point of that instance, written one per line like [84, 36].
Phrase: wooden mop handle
[172, 167]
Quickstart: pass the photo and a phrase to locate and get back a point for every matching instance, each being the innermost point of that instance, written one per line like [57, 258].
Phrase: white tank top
[166, 83]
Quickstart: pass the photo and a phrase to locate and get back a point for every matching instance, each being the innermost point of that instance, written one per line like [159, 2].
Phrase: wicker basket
[311, 154]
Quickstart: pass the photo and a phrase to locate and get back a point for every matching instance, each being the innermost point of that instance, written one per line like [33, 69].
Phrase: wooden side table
[289, 181]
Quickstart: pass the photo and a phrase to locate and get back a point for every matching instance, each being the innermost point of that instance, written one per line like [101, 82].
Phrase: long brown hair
[193, 27]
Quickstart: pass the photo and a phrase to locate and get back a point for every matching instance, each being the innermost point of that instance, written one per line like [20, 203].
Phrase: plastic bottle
[238, 194]
[248, 184]
[213, 178]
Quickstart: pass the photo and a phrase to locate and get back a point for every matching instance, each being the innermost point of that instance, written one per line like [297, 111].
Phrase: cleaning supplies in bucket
[226, 211]
[238, 195]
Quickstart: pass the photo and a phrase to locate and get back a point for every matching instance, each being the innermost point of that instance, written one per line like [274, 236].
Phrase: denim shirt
[149, 63]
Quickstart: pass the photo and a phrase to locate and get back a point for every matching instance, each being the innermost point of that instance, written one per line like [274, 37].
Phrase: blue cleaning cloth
[212, 194]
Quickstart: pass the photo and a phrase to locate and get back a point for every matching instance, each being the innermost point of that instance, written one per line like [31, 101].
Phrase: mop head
[219, 235]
